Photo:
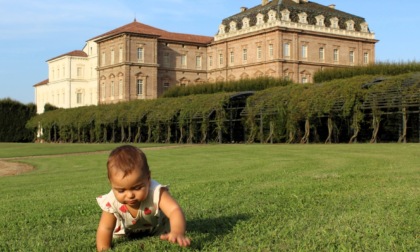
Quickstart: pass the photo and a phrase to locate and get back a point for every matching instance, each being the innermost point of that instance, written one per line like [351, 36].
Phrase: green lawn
[360, 197]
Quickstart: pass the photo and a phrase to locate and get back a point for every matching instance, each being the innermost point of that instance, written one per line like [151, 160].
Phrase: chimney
[264, 2]
[332, 6]
[243, 9]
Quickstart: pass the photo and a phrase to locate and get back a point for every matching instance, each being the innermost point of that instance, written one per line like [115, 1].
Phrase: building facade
[280, 38]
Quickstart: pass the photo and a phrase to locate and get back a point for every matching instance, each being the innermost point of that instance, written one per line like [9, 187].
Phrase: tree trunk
[403, 137]
[305, 138]
[375, 124]
[330, 130]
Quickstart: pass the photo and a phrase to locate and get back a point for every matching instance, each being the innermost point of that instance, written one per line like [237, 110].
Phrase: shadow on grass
[208, 230]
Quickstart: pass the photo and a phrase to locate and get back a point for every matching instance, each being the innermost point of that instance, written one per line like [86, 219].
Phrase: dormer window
[232, 26]
[303, 18]
[245, 23]
[285, 15]
[364, 27]
[320, 20]
[334, 22]
[271, 16]
[222, 29]
[260, 19]
[350, 25]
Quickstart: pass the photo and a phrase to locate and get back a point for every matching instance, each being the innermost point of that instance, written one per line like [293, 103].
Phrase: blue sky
[33, 31]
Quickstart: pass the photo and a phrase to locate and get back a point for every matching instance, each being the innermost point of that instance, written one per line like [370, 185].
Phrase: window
[112, 89]
[271, 50]
[221, 59]
[120, 88]
[366, 58]
[184, 60]
[112, 56]
[351, 57]
[140, 54]
[259, 52]
[198, 62]
[232, 57]
[210, 61]
[286, 50]
[304, 51]
[120, 55]
[335, 56]
[321, 54]
[103, 91]
[245, 54]
[79, 72]
[304, 79]
[79, 98]
[166, 59]
[103, 58]
[139, 87]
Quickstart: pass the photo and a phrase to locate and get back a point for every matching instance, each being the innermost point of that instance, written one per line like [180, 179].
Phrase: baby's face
[131, 189]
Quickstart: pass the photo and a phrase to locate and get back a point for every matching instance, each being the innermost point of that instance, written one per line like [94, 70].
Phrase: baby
[137, 205]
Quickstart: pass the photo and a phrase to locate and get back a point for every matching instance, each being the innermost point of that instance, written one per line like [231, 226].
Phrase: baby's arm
[105, 230]
[176, 219]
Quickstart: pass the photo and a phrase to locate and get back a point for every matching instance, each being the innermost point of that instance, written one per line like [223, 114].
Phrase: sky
[34, 31]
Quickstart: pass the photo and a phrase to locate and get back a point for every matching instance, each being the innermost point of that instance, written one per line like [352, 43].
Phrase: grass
[235, 197]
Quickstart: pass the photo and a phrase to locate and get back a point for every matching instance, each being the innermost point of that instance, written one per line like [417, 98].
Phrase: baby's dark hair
[127, 158]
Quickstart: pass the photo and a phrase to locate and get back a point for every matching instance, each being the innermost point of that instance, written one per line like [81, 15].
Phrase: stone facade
[285, 39]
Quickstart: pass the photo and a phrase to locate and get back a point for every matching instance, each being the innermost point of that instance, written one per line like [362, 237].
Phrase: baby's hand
[176, 238]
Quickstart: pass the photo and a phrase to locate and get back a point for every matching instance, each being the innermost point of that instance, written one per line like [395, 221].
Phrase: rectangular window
[120, 55]
[79, 72]
[336, 55]
[139, 87]
[232, 57]
[245, 54]
[259, 52]
[321, 54]
[103, 91]
[271, 50]
[198, 62]
[184, 60]
[366, 58]
[140, 54]
[210, 61]
[304, 51]
[166, 60]
[103, 59]
[221, 59]
[351, 57]
[112, 56]
[120, 88]
[286, 50]
[112, 89]
[79, 98]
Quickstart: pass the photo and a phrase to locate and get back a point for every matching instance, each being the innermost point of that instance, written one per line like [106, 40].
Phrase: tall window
[232, 57]
[221, 59]
[351, 57]
[112, 89]
[245, 54]
[198, 62]
[259, 52]
[210, 61]
[120, 88]
[321, 54]
[112, 56]
[270, 50]
[304, 51]
[103, 59]
[120, 55]
[183, 60]
[166, 59]
[366, 58]
[103, 91]
[139, 87]
[79, 98]
[336, 57]
[286, 50]
[140, 54]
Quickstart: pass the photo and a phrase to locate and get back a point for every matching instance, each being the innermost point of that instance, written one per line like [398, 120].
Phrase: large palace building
[280, 38]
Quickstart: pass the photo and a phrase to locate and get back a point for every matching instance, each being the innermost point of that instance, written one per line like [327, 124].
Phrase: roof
[312, 9]
[143, 29]
[44, 82]
[75, 53]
